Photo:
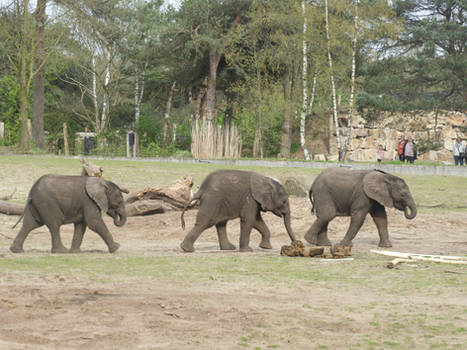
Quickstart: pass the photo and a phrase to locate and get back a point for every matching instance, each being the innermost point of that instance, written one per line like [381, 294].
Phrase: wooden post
[128, 145]
[2, 130]
[65, 140]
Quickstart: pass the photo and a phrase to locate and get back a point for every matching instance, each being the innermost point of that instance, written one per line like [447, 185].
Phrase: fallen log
[176, 194]
[9, 208]
[90, 169]
[147, 207]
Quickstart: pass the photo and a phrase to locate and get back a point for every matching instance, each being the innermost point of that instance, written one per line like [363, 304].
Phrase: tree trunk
[65, 140]
[167, 114]
[352, 84]
[11, 208]
[333, 86]
[304, 86]
[39, 78]
[286, 129]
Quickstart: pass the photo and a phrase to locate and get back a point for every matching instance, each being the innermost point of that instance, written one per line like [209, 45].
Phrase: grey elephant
[355, 193]
[228, 194]
[55, 200]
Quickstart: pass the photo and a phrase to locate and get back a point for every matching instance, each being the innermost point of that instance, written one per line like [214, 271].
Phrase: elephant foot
[324, 242]
[75, 251]
[310, 238]
[228, 246]
[385, 244]
[187, 247]
[59, 250]
[246, 250]
[16, 249]
[113, 247]
[265, 245]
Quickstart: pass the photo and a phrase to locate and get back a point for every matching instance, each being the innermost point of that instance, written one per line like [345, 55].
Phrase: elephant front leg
[224, 242]
[260, 225]
[78, 235]
[246, 224]
[356, 223]
[378, 213]
[98, 226]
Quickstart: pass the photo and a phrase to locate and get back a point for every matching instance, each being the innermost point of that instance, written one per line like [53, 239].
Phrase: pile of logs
[148, 201]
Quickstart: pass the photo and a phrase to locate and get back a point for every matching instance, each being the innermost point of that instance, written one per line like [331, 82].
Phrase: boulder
[294, 187]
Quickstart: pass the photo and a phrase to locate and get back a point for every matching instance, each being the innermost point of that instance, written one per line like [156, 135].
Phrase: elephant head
[271, 196]
[390, 191]
[108, 197]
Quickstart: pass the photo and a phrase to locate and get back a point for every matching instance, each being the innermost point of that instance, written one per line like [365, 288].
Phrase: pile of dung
[299, 249]
[340, 251]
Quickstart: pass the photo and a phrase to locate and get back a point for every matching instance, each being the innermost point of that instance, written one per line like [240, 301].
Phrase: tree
[18, 26]
[424, 68]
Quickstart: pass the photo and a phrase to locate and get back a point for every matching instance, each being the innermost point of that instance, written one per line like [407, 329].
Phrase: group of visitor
[406, 150]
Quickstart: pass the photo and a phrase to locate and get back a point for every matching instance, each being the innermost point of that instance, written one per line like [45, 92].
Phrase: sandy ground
[50, 311]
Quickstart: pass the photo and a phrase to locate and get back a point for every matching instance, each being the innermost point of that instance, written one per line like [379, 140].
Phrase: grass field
[150, 295]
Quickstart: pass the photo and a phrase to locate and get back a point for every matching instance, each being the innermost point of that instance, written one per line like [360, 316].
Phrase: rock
[320, 157]
[294, 187]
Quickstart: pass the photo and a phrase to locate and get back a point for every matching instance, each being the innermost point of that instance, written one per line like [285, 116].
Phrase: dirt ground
[62, 311]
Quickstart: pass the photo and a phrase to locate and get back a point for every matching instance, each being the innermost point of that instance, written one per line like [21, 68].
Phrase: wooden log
[9, 208]
[397, 261]
[409, 255]
[147, 207]
[176, 194]
[90, 169]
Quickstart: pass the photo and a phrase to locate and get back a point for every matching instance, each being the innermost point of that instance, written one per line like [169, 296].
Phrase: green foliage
[9, 108]
[425, 145]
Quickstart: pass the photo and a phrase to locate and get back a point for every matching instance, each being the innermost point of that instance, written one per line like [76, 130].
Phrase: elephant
[55, 200]
[228, 194]
[355, 193]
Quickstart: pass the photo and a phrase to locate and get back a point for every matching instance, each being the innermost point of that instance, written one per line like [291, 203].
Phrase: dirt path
[53, 311]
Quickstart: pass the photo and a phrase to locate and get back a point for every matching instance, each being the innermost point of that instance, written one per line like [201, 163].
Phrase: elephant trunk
[288, 227]
[120, 218]
[410, 211]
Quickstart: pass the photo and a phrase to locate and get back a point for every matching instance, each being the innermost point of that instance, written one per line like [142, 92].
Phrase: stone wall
[444, 126]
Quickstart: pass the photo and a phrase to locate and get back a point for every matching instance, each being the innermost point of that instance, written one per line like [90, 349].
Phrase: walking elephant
[230, 194]
[355, 193]
[55, 200]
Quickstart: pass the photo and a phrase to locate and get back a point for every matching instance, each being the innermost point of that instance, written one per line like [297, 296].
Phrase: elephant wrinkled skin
[229, 194]
[55, 200]
[355, 193]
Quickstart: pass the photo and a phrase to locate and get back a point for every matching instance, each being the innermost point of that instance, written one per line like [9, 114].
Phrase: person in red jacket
[400, 148]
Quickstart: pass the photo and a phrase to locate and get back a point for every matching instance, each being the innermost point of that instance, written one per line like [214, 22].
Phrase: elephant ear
[262, 190]
[96, 189]
[376, 187]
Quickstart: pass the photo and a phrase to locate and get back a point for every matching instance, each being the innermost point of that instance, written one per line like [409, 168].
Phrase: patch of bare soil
[47, 311]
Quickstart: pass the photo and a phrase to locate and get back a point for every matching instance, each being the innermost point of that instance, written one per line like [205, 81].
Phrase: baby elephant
[55, 200]
[355, 193]
[228, 194]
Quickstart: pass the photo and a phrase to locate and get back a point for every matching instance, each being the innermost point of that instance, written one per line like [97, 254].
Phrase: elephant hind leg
[57, 245]
[356, 222]
[260, 225]
[188, 243]
[29, 224]
[317, 234]
[224, 242]
[323, 239]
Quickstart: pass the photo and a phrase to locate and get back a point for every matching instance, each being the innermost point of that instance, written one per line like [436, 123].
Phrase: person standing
[459, 151]
[409, 151]
[380, 153]
[400, 148]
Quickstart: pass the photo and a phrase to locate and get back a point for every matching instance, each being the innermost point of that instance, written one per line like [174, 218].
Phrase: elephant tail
[17, 222]
[187, 204]
[310, 195]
